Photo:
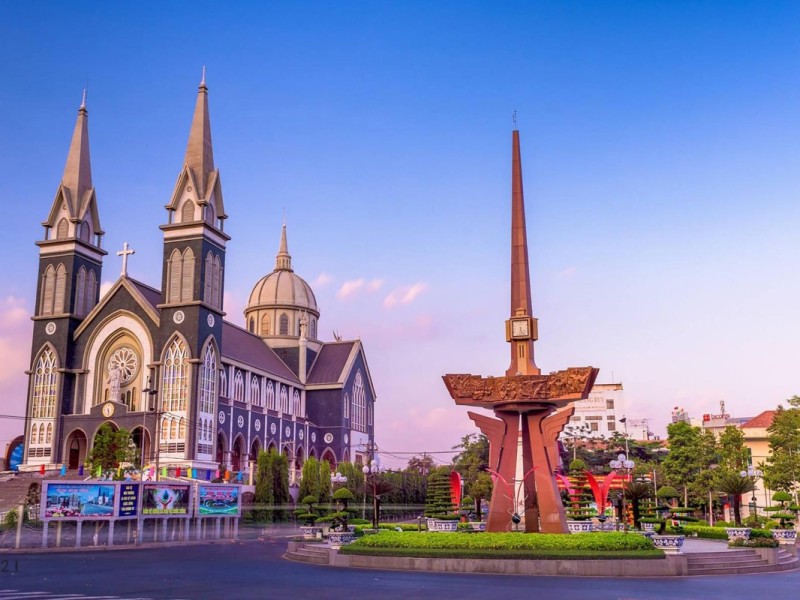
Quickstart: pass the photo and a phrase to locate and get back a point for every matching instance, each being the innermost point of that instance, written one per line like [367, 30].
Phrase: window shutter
[61, 286]
[174, 283]
[187, 281]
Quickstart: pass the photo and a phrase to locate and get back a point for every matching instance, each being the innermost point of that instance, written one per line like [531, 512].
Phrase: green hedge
[552, 554]
[709, 533]
[591, 542]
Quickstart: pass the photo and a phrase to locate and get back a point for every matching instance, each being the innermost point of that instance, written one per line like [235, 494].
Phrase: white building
[597, 415]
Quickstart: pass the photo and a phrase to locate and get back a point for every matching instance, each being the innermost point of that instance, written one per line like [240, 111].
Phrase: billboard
[128, 501]
[78, 501]
[163, 499]
[218, 500]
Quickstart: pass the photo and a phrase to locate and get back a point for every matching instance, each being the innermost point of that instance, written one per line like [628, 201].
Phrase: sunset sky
[661, 159]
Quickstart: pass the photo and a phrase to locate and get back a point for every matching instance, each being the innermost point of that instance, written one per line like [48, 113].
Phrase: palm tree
[636, 491]
[733, 484]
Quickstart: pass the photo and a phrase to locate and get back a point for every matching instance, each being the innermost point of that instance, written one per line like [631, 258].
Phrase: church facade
[194, 389]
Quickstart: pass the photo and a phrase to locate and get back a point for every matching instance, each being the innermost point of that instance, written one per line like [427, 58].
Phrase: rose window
[126, 362]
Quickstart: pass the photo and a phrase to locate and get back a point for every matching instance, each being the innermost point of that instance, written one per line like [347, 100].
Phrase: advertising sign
[162, 499]
[218, 500]
[128, 500]
[78, 501]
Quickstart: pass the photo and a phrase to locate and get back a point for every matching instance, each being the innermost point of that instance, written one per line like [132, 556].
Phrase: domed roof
[283, 287]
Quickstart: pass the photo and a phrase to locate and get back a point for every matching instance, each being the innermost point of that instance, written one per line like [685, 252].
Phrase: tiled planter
[648, 526]
[785, 537]
[311, 532]
[577, 526]
[442, 525]
[670, 544]
[738, 533]
[477, 525]
[340, 538]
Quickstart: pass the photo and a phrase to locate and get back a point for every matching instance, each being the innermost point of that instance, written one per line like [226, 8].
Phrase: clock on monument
[520, 328]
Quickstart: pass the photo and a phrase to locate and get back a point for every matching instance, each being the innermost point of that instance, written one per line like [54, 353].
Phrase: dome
[285, 289]
[282, 302]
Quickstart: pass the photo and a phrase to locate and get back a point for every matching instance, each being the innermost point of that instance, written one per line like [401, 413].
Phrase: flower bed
[506, 545]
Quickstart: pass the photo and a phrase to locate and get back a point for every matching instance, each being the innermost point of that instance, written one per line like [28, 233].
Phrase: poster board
[219, 500]
[166, 500]
[78, 500]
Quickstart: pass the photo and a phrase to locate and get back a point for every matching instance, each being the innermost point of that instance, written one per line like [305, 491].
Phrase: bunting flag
[177, 471]
[80, 471]
[99, 471]
[208, 474]
[63, 470]
[217, 474]
[41, 469]
[194, 473]
[119, 471]
[152, 472]
[227, 475]
[163, 471]
[239, 476]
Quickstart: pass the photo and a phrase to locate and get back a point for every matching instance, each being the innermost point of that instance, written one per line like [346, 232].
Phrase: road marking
[18, 595]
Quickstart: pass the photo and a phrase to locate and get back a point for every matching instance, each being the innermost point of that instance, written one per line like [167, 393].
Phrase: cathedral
[195, 390]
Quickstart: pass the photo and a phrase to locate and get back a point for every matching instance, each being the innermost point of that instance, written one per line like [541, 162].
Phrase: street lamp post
[755, 474]
[371, 475]
[151, 392]
[337, 478]
[622, 463]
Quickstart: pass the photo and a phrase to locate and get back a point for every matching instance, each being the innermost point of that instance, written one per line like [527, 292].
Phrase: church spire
[522, 327]
[78, 170]
[283, 261]
[199, 153]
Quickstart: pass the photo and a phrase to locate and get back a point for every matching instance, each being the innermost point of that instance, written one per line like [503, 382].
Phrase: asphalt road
[256, 569]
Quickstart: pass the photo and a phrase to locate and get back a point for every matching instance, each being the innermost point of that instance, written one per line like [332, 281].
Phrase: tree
[264, 487]
[310, 483]
[635, 492]
[689, 458]
[422, 465]
[280, 484]
[733, 454]
[783, 464]
[324, 481]
[111, 448]
[735, 485]
[471, 463]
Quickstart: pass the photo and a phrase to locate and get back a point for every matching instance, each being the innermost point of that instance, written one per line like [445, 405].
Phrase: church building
[194, 389]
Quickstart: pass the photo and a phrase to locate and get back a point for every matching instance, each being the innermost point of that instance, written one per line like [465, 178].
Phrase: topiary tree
[308, 515]
[338, 519]
[310, 482]
[439, 503]
[784, 514]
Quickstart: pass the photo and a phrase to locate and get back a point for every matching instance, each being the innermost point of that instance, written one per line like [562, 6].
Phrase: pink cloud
[405, 294]
[349, 288]
[322, 280]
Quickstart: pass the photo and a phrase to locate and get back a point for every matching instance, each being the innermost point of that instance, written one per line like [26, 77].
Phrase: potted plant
[669, 543]
[467, 512]
[340, 531]
[439, 509]
[308, 516]
[785, 534]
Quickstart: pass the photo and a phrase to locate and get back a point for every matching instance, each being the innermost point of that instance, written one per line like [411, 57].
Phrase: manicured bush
[709, 533]
[502, 554]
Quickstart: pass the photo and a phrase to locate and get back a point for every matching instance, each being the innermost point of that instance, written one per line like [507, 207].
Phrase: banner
[78, 501]
[218, 500]
[165, 499]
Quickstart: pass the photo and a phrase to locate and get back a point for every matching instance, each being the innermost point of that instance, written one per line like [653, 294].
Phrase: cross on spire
[124, 253]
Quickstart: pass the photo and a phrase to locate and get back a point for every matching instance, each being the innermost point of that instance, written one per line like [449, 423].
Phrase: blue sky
[660, 146]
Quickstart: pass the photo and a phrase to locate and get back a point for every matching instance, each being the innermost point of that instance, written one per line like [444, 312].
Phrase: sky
[660, 149]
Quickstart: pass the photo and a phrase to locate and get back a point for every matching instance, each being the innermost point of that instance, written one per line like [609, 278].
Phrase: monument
[531, 409]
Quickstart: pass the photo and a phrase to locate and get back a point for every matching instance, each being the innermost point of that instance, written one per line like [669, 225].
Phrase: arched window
[91, 292]
[187, 276]
[175, 386]
[80, 292]
[49, 438]
[187, 212]
[208, 380]
[173, 430]
[165, 429]
[216, 283]
[223, 384]
[85, 231]
[284, 324]
[265, 325]
[174, 280]
[238, 387]
[45, 381]
[271, 396]
[313, 328]
[347, 406]
[182, 430]
[61, 229]
[296, 403]
[61, 288]
[284, 400]
[34, 433]
[208, 278]
[210, 213]
[255, 392]
[48, 290]
[252, 327]
[359, 404]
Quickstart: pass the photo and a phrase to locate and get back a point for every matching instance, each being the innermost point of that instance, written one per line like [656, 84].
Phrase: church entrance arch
[76, 446]
[329, 456]
[236, 454]
[141, 438]
[222, 447]
[255, 449]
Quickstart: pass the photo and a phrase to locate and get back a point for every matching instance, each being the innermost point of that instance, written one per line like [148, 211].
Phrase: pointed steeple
[283, 260]
[78, 170]
[199, 152]
[524, 333]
